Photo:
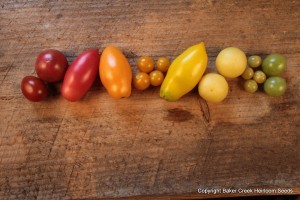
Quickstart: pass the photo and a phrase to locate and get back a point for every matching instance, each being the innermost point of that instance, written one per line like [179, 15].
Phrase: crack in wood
[70, 177]
[205, 111]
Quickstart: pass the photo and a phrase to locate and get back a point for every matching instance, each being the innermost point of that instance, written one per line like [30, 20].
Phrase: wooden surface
[144, 146]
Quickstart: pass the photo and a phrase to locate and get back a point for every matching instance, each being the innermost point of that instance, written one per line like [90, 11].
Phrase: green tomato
[275, 86]
[254, 61]
[274, 64]
[259, 76]
[248, 73]
[250, 86]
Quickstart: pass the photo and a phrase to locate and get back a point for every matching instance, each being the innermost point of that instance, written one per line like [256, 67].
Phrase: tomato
[254, 61]
[141, 81]
[34, 89]
[156, 77]
[250, 86]
[184, 73]
[145, 64]
[274, 64]
[248, 73]
[213, 87]
[259, 76]
[115, 73]
[163, 64]
[275, 86]
[231, 62]
[51, 65]
[80, 75]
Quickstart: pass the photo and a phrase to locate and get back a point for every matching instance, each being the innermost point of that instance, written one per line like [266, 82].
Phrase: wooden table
[144, 146]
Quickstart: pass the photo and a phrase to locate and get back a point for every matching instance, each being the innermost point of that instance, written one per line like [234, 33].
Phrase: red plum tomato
[81, 75]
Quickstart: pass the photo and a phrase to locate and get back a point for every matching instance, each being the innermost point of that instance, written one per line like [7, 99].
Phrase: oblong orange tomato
[115, 72]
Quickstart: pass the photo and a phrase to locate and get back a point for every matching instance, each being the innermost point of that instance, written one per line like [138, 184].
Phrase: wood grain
[144, 146]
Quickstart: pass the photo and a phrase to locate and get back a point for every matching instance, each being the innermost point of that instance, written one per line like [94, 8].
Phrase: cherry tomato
[141, 81]
[34, 89]
[259, 76]
[248, 73]
[250, 86]
[51, 65]
[254, 61]
[145, 64]
[80, 75]
[163, 64]
[156, 77]
[115, 73]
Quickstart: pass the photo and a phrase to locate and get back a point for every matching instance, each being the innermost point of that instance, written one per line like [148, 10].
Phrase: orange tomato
[163, 64]
[141, 81]
[115, 72]
[156, 77]
[145, 64]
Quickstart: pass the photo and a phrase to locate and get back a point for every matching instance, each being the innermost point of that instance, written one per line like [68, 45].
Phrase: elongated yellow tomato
[184, 73]
[115, 72]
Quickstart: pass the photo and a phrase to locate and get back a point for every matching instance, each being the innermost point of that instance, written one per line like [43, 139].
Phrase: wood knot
[179, 115]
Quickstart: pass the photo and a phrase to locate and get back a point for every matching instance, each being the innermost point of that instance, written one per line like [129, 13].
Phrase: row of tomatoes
[52, 66]
[183, 74]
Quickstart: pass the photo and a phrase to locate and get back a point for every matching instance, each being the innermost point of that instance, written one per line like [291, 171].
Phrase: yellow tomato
[231, 62]
[213, 88]
[184, 73]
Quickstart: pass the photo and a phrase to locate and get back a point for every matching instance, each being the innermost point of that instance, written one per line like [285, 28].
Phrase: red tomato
[80, 75]
[51, 65]
[33, 88]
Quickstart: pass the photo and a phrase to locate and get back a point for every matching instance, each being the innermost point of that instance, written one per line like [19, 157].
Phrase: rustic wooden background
[143, 145]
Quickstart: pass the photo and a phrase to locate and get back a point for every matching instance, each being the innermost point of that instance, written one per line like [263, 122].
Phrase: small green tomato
[254, 61]
[248, 73]
[250, 86]
[259, 76]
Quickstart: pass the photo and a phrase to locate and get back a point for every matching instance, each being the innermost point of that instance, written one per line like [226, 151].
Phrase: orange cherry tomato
[115, 72]
[145, 64]
[141, 81]
[156, 77]
[163, 64]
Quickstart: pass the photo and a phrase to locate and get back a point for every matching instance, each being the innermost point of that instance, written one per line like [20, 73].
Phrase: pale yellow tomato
[213, 87]
[231, 62]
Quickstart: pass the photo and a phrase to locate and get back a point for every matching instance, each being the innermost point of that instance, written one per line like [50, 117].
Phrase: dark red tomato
[51, 65]
[34, 89]
[80, 75]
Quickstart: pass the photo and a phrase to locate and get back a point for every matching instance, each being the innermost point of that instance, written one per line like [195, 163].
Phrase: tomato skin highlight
[80, 75]
[115, 72]
[34, 89]
[184, 73]
[51, 65]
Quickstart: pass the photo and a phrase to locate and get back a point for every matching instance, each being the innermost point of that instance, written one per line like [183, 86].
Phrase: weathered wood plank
[144, 146]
